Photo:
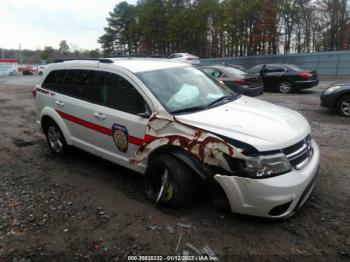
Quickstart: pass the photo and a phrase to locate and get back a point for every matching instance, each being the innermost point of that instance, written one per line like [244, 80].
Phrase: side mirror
[144, 115]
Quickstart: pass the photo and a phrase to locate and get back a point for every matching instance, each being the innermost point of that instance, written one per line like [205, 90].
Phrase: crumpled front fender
[163, 129]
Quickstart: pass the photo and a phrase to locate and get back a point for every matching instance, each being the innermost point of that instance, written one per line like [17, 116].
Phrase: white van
[176, 126]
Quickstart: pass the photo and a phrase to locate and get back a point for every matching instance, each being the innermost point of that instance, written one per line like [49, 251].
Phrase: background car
[186, 58]
[285, 78]
[236, 66]
[337, 96]
[26, 69]
[237, 80]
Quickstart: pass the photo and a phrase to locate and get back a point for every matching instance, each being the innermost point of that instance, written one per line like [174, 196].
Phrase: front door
[120, 111]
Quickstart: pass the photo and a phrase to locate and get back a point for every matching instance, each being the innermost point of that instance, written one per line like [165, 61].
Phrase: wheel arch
[49, 114]
[182, 155]
[340, 96]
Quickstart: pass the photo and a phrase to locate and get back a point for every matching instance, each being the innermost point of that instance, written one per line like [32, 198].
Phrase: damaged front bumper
[274, 197]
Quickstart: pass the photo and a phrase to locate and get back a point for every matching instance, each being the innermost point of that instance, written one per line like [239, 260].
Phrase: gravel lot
[84, 208]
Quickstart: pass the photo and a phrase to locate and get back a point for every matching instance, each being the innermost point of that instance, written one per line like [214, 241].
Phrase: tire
[55, 138]
[285, 87]
[179, 189]
[343, 106]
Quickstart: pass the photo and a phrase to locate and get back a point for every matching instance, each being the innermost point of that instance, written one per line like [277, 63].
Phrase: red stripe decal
[43, 91]
[87, 124]
[133, 140]
[148, 138]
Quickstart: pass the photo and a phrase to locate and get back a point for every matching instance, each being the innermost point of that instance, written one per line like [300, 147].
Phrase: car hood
[263, 125]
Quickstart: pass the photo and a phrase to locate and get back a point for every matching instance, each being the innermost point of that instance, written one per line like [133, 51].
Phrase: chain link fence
[336, 63]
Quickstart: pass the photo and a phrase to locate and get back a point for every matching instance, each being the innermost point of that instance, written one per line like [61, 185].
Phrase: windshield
[185, 89]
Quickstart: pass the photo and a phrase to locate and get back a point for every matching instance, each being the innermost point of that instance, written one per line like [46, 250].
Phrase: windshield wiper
[197, 108]
[188, 109]
[221, 99]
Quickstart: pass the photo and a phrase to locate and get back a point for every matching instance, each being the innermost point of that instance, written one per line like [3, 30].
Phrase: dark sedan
[337, 96]
[237, 80]
[285, 78]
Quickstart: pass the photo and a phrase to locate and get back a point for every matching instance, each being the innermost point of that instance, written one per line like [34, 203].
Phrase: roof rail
[101, 60]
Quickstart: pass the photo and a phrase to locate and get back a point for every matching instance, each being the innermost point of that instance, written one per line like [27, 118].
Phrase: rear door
[74, 108]
[272, 76]
[122, 115]
[54, 83]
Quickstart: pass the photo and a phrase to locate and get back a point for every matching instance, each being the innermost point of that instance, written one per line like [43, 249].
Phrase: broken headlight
[265, 166]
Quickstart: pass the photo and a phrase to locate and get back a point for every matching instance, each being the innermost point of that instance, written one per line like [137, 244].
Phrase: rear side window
[255, 70]
[275, 69]
[77, 82]
[54, 80]
[116, 92]
[213, 72]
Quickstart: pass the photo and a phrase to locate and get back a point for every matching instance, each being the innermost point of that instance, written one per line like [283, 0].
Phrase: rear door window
[54, 80]
[77, 82]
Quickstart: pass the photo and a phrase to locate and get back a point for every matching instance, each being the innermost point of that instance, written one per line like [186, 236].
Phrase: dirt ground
[80, 207]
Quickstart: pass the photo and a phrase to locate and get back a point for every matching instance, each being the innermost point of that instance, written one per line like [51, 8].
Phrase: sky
[38, 23]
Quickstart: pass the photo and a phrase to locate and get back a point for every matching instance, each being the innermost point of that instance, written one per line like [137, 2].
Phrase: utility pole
[20, 53]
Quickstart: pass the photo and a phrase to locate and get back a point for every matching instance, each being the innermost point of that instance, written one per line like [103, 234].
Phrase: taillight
[241, 82]
[305, 75]
[189, 58]
[34, 92]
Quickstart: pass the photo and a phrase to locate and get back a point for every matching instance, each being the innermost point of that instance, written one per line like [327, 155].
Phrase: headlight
[331, 89]
[265, 166]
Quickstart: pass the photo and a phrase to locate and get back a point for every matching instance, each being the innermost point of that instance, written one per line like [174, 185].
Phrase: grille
[300, 153]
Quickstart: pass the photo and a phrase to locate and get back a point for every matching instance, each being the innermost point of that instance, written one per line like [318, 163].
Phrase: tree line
[49, 54]
[222, 28]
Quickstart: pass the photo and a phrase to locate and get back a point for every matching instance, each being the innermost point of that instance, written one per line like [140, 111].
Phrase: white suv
[176, 126]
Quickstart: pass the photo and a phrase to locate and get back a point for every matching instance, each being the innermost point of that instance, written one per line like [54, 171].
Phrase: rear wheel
[55, 138]
[285, 87]
[343, 106]
[169, 182]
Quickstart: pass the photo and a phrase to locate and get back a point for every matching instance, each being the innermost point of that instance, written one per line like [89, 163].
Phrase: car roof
[134, 65]
[275, 64]
[222, 67]
[147, 64]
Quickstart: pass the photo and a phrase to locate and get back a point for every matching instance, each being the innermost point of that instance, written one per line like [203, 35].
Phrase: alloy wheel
[285, 87]
[55, 139]
[166, 190]
[345, 107]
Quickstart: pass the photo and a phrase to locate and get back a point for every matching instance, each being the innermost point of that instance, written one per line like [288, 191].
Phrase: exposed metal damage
[208, 148]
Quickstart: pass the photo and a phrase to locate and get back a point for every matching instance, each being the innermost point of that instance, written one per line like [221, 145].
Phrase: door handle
[59, 103]
[99, 115]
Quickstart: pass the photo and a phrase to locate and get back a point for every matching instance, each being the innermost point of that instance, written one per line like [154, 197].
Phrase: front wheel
[285, 87]
[343, 106]
[169, 182]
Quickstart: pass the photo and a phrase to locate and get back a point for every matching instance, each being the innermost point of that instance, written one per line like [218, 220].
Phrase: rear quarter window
[54, 80]
[255, 70]
[77, 82]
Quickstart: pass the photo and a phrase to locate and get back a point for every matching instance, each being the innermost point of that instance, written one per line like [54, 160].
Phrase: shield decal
[120, 137]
